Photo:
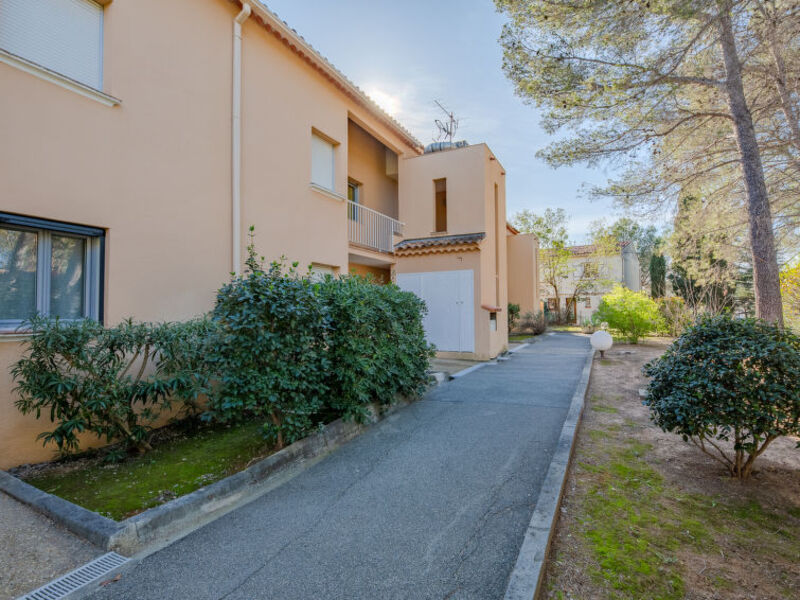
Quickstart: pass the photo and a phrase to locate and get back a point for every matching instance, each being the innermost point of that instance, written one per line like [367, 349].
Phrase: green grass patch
[519, 338]
[634, 523]
[174, 467]
[604, 408]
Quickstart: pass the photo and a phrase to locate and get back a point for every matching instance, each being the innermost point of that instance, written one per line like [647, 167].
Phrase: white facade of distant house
[621, 268]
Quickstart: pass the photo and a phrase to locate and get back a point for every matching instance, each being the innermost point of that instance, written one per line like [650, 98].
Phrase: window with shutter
[65, 36]
[322, 162]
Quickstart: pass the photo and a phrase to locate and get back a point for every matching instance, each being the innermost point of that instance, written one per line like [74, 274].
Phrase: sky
[407, 53]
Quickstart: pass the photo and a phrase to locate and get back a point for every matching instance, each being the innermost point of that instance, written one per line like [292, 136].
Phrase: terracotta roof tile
[441, 240]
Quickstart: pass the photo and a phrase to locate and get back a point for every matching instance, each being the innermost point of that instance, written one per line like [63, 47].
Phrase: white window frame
[94, 243]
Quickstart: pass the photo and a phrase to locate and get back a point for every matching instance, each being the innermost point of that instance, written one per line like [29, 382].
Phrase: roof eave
[304, 50]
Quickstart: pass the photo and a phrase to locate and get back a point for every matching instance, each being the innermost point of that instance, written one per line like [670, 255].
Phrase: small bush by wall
[113, 382]
[632, 314]
[533, 322]
[513, 316]
[732, 380]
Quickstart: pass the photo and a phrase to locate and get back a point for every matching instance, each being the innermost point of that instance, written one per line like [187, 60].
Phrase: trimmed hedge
[292, 350]
[376, 344]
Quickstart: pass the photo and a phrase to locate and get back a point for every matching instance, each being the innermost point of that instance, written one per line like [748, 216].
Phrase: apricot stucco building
[140, 140]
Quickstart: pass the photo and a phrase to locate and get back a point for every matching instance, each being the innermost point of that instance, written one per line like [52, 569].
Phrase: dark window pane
[67, 277]
[17, 274]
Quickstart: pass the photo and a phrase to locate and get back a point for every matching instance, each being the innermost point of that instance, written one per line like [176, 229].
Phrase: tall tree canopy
[691, 96]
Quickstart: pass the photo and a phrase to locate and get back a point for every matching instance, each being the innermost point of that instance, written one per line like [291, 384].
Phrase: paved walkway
[432, 502]
[34, 550]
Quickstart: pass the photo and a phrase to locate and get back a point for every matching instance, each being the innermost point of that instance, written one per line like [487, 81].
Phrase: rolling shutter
[65, 36]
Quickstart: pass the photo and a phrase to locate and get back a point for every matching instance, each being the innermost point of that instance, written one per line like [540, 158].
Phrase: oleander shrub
[729, 386]
[113, 382]
[269, 357]
[632, 314]
[375, 344]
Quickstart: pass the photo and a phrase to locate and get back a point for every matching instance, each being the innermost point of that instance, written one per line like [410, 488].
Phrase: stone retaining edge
[526, 577]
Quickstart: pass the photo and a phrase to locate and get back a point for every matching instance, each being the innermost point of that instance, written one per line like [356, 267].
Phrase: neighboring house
[589, 274]
[523, 270]
[140, 140]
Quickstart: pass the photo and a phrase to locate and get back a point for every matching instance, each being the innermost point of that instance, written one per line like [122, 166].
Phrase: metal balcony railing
[371, 229]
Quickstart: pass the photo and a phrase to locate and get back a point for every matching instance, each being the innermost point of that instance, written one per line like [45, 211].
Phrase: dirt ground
[751, 553]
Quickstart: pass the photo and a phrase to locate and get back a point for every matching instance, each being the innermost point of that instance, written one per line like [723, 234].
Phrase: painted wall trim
[236, 141]
[326, 192]
[61, 80]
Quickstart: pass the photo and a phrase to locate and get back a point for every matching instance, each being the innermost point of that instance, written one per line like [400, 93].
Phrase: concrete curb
[526, 577]
[177, 518]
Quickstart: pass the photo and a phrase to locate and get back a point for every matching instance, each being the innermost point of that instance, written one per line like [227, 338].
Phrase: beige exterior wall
[155, 171]
[465, 170]
[366, 166]
[381, 274]
[523, 271]
[472, 173]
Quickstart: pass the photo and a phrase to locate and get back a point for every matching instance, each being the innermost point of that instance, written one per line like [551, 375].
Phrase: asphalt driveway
[432, 502]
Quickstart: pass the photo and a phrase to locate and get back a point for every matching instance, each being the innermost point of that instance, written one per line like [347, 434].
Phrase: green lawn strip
[173, 468]
[519, 338]
[634, 523]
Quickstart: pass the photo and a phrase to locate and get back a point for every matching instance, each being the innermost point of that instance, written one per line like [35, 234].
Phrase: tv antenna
[448, 128]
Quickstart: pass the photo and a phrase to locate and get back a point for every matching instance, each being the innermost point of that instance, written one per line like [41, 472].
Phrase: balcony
[370, 229]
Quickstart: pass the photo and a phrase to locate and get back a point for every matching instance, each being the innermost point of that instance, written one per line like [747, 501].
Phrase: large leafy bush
[632, 314]
[376, 344]
[279, 347]
[113, 382]
[728, 380]
[270, 356]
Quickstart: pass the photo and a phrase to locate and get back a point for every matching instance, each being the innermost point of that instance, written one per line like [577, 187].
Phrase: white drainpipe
[236, 141]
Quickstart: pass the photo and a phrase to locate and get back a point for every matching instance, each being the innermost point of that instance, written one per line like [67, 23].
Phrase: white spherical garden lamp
[601, 340]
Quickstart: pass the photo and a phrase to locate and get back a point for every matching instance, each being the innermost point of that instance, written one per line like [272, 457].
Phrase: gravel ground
[34, 550]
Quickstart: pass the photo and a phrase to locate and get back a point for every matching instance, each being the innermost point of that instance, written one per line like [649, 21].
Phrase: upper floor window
[322, 162]
[49, 268]
[65, 36]
[440, 204]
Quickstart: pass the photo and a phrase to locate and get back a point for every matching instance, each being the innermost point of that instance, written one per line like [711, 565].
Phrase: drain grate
[66, 584]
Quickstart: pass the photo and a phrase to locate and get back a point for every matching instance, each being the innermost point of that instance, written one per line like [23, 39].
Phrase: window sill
[326, 192]
[57, 78]
[13, 336]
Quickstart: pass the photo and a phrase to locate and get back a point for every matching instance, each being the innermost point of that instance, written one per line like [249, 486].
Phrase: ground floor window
[49, 268]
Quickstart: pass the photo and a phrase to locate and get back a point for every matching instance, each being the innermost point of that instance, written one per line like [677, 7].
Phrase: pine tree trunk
[766, 278]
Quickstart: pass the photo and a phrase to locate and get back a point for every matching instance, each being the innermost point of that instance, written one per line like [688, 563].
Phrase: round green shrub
[632, 314]
[730, 386]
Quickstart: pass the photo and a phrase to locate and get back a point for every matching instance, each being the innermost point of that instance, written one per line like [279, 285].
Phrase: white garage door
[450, 322]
